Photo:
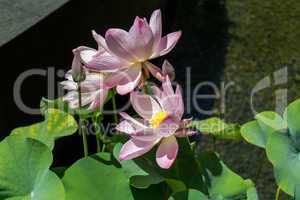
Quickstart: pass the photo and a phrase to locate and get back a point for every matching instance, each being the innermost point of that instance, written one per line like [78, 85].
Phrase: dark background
[232, 40]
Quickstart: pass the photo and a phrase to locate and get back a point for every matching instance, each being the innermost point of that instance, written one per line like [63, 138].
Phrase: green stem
[81, 124]
[146, 89]
[103, 147]
[277, 193]
[115, 108]
[98, 134]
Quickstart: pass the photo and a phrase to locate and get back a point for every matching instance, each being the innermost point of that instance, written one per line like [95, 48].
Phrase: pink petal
[168, 127]
[126, 127]
[179, 102]
[168, 69]
[144, 105]
[141, 39]
[154, 70]
[137, 124]
[93, 82]
[136, 131]
[167, 152]
[148, 134]
[135, 148]
[99, 99]
[100, 41]
[69, 85]
[156, 26]
[132, 78]
[166, 44]
[72, 99]
[118, 42]
[156, 92]
[86, 98]
[167, 87]
[113, 79]
[87, 54]
[104, 62]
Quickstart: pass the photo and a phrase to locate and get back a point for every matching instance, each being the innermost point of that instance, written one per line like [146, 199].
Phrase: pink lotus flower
[93, 93]
[124, 55]
[160, 123]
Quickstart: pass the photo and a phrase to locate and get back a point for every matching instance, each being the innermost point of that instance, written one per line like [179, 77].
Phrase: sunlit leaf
[57, 124]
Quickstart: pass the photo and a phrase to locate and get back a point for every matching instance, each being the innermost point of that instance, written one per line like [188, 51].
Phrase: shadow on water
[49, 43]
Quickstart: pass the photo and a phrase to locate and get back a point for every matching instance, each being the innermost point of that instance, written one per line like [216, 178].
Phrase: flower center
[158, 118]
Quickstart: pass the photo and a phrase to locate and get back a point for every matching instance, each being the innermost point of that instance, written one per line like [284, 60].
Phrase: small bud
[78, 70]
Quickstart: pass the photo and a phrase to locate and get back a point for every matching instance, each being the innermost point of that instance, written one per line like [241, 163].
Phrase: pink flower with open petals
[125, 54]
[161, 122]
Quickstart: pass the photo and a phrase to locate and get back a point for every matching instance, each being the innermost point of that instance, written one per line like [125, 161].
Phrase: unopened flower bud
[78, 70]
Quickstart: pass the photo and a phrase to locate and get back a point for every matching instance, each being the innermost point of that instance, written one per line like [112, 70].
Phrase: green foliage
[185, 172]
[96, 178]
[225, 186]
[280, 138]
[218, 128]
[257, 132]
[57, 124]
[24, 171]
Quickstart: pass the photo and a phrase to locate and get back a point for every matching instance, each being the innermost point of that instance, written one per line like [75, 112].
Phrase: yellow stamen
[158, 118]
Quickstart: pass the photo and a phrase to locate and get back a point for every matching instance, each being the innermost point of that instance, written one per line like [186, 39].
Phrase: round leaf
[24, 170]
[286, 161]
[189, 195]
[96, 179]
[228, 184]
[292, 116]
[253, 134]
[270, 121]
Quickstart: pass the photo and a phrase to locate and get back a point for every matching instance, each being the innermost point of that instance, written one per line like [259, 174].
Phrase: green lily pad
[189, 195]
[271, 121]
[57, 124]
[257, 132]
[292, 116]
[253, 134]
[100, 177]
[139, 177]
[197, 195]
[228, 184]
[285, 158]
[24, 171]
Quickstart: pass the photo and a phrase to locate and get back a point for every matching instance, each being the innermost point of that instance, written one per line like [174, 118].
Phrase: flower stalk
[114, 103]
[277, 193]
[82, 130]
